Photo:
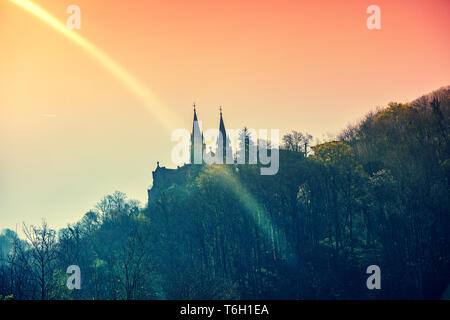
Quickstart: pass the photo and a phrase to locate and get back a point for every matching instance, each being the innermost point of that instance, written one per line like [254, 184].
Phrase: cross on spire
[194, 105]
[220, 108]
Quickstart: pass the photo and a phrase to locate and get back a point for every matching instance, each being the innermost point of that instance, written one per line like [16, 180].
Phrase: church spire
[195, 112]
[223, 141]
[195, 125]
[197, 144]
[221, 124]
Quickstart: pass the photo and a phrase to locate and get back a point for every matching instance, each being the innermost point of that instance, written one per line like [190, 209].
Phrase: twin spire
[195, 125]
[223, 141]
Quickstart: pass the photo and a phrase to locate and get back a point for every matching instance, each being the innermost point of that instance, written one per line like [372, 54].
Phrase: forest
[377, 194]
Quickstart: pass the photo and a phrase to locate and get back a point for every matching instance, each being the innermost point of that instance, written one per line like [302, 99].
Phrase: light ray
[257, 213]
[152, 103]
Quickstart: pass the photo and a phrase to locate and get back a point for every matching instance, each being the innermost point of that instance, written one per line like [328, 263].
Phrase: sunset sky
[77, 123]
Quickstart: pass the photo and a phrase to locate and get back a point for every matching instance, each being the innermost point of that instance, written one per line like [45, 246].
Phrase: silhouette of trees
[379, 194]
[297, 142]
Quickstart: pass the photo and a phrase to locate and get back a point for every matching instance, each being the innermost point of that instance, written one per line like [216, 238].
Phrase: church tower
[223, 141]
[197, 141]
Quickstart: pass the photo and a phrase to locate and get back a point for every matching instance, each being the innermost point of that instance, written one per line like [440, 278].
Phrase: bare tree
[42, 255]
[298, 142]
[20, 282]
[134, 261]
[293, 141]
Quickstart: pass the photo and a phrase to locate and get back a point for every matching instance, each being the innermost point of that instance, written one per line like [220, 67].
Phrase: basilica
[164, 177]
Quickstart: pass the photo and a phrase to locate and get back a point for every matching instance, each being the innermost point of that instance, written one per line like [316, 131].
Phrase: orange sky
[70, 132]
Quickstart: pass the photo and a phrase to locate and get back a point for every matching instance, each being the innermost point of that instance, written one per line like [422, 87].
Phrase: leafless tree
[42, 256]
[298, 142]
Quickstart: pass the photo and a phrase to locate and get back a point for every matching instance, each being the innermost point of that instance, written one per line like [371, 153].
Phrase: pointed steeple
[197, 144]
[195, 125]
[195, 112]
[223, 141]
[222, 125]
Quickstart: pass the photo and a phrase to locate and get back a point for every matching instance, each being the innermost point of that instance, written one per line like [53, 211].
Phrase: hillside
[379, 195]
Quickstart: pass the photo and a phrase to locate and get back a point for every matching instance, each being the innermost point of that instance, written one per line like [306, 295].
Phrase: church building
[164, 177]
